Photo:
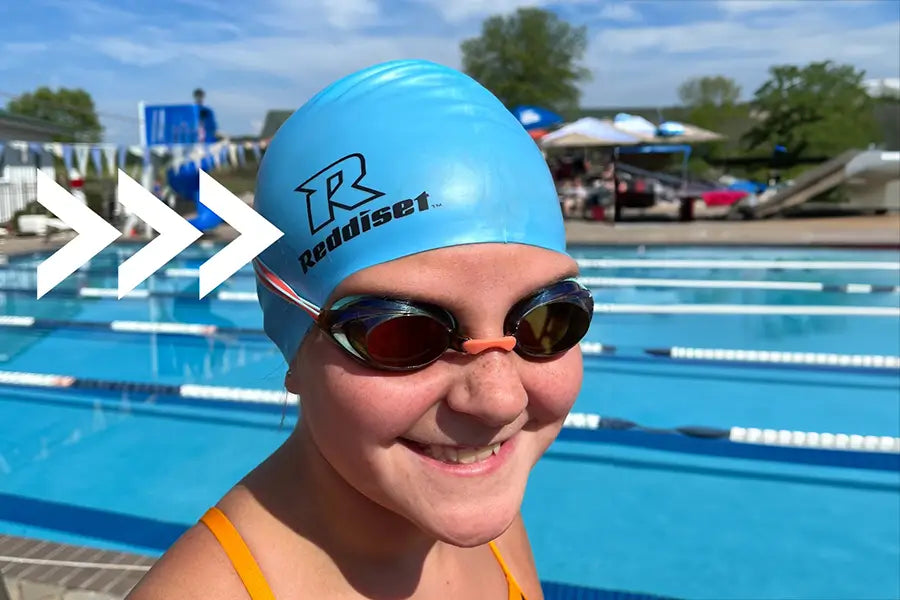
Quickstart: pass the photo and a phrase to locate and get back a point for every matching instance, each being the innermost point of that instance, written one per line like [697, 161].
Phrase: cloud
[24, 47]
[252, 57]
[747, 7]
[628, 70]
[130, 51]
[620, 12]
[458, 11]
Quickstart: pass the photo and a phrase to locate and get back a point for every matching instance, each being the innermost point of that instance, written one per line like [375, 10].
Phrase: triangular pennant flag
[241, 157]
[2, 146]
[109, 152]
[57, 149]
[256, 151]
[232, 152]
[96, 160]
[81, 157]
[67, 156]
[36, 148]
[123, 155]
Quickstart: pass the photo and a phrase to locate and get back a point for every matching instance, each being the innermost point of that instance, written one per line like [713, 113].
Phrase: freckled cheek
[377, 409]
[553, 386]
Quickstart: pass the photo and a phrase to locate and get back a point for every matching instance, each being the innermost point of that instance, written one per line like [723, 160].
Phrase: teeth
[462, 456]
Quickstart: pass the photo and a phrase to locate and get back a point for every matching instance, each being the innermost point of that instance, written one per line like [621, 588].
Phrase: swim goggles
[394, 334]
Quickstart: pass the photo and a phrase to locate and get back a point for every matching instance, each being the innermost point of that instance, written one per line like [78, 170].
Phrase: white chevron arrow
[175, 234]
[94, 234]
[257, 234]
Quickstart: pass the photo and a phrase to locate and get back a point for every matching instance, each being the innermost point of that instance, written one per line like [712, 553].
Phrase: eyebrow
[409, 297]
[568, 274]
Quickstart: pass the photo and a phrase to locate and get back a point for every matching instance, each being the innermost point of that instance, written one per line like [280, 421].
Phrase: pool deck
[844, 231]
[32, 569]
[861, 232]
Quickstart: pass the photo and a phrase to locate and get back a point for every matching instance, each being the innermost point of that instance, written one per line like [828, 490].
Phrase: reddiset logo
[175, 234]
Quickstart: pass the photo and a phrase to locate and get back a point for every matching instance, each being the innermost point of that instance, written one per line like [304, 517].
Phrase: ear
[292, 377]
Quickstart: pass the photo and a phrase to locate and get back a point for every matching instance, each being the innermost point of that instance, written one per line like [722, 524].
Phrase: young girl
[429, 317]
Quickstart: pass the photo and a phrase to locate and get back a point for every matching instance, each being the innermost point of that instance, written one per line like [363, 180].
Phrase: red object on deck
[723, 197]
[598, 213]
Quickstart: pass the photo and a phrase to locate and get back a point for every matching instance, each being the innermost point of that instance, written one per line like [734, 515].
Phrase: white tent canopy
[588, 132]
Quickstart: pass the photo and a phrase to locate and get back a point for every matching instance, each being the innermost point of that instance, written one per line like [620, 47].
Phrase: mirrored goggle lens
[401, 342]
[552, 328]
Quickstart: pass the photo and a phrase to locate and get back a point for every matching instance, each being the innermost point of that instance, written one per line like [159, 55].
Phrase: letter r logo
[337, 185]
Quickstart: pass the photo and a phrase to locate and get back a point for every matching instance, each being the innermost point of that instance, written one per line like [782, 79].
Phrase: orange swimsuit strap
[252, 577]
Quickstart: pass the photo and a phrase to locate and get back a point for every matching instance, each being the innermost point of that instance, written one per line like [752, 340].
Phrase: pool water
[131, 471]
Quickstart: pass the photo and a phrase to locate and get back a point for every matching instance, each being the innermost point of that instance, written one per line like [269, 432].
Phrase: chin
[470, 526]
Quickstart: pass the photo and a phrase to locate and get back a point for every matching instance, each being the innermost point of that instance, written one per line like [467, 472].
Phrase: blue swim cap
[396, 159]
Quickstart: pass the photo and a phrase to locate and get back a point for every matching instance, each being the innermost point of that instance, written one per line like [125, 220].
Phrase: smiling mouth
[454, 455]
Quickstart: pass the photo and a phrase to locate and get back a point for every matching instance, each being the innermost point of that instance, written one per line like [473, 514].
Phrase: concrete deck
[33, 569]
[866, 231]
[844, 231]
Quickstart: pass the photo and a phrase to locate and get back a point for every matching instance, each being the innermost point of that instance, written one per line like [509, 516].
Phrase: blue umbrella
[535, 117]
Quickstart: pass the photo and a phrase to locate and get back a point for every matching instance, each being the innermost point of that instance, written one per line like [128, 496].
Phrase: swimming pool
[107, 463]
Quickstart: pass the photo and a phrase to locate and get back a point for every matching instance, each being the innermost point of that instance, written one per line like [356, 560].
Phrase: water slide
[185, 181]
[871, 174]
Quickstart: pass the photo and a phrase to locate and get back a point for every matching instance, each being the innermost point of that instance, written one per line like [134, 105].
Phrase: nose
[489, 389]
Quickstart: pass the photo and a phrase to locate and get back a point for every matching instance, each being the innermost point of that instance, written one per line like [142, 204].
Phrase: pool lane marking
[649, 263]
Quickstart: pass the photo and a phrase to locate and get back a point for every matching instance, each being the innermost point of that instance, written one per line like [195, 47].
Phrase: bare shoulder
[194, 567]
[516, 551]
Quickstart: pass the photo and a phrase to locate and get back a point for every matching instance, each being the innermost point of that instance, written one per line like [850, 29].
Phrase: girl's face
[400, 439]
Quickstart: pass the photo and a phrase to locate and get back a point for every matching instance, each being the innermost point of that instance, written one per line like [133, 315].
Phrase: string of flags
[107, 157]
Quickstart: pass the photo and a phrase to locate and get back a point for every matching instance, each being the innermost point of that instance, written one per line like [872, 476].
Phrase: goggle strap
[280, 288]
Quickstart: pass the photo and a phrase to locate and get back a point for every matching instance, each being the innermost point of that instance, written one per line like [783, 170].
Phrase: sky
[252, 56]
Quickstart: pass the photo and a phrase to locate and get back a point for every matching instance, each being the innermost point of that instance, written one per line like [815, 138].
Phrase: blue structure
[184, 124]
[185, 181]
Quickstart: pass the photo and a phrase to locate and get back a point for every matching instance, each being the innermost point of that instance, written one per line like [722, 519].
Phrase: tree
[713, 102]
[72, 110]
[529, 57]
[714, 91]
[821, 109]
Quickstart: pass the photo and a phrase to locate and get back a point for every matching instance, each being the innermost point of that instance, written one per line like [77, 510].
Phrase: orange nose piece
[477, 346]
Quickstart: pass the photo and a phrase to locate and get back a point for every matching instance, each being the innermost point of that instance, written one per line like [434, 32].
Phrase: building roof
[274, 120]
[38, 126]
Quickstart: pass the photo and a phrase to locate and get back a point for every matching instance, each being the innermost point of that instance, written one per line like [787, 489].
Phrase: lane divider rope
[868, 361]
[684, 263]
[810, 447]
[747, 435]
[607, 308]
[799, 286]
